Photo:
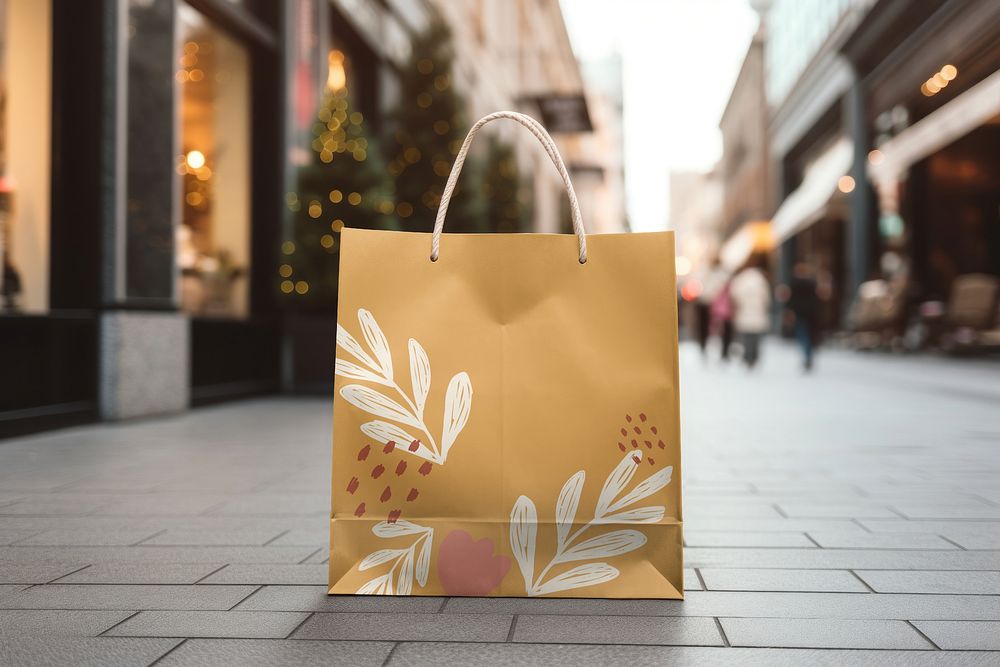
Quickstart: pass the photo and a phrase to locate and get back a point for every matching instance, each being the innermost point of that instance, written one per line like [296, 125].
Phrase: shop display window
[25, 144]
[213, 168]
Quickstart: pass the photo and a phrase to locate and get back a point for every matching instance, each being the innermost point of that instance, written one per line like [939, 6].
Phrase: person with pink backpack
[722, 319]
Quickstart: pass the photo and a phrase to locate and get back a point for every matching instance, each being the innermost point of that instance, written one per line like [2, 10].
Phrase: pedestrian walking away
[713, 283]
[750, 292]
[801, 297]
[722, 320]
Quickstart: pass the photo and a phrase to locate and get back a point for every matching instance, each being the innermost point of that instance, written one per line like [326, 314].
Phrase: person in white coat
[751, 296]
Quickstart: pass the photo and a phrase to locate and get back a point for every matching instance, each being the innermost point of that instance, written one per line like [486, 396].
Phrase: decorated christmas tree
[346, 183]
[506, 206]
[430, 126]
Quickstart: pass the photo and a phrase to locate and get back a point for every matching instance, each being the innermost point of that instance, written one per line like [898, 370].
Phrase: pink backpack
[722, 306]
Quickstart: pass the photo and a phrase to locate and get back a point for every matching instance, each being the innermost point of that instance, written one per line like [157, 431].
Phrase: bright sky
[680, 59]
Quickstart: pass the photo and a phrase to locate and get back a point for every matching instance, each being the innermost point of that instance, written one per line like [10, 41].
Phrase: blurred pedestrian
[802, 303]
[751, 295]
[722, 319]
[712, 284]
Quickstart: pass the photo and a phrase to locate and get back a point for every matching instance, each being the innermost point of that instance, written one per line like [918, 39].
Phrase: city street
[848, 516]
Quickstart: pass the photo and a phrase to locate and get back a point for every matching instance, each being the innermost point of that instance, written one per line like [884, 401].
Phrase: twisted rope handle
[550, 147]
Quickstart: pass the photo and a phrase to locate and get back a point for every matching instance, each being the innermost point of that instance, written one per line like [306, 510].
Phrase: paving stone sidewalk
[850, 517]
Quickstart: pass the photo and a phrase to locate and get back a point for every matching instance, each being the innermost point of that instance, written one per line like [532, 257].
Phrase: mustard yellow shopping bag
[506, 412]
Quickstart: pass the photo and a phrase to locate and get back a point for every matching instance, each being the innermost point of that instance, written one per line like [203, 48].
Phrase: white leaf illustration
[379, 557]
[376, 586]
[615, 543]
[420, 375]
[405, 580]
[404, 559]
[376, 341]
[569, 500]
[578, 577]
[457, 405]
[424, 558]
[347, 341]
[355, 372]
[646, 487]
[523, 531]
[376, 367]
[617, 481]
[377, 404]
[385, 432]
[640, 515]
[400, 527]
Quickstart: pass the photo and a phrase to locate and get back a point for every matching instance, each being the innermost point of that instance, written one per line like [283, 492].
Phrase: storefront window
[213, 167]
[25, 129]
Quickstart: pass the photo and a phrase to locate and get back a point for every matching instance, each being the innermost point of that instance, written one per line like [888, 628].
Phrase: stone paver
[33, 572]
[13, 535]
[57, 622]
[249, 537]
[144, 573]
[245, 573]
[88, 537]
[8, 589]
[116, 596]
[315, 598]
[574, 655]
[822, 633]
[962, 635]
[83, 652]
[240, 624]
[713, 538]
[676, 631]
[856, 508]
[969, 583]
[803, 581]
[860, 540]
[406, 627]
[266, 653]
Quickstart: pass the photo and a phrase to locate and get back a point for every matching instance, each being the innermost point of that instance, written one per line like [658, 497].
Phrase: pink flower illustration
[468, 567]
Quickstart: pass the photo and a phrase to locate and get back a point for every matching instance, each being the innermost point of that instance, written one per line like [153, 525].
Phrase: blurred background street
[854, 509]
[175, 175]
[174, 179]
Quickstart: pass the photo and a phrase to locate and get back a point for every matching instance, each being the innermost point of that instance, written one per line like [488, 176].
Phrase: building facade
[148, 149]
[929, 136]
[812, 93]
[696, 205]
[516, 54]
[745, 168]
[882, 117]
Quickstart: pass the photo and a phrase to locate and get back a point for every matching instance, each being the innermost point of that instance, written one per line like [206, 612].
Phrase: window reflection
[25, 92]
[213, 168]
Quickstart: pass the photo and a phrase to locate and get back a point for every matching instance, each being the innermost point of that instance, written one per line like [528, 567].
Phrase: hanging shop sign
[564, 113]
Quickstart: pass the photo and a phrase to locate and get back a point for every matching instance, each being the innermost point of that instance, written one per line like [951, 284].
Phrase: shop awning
[808, 202]
[962, 115]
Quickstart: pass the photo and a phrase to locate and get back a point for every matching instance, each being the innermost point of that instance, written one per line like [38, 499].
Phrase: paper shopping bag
[506, 413]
